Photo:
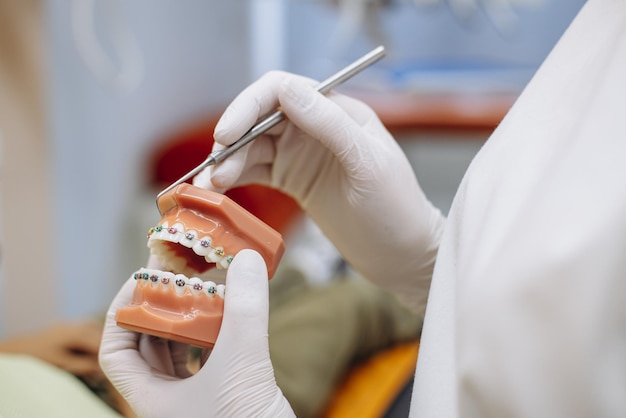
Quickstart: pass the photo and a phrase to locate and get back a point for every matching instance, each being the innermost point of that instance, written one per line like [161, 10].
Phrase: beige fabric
[317, 332]
[27, 249]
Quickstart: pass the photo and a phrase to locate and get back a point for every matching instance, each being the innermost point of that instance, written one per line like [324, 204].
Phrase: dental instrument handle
[278, 116]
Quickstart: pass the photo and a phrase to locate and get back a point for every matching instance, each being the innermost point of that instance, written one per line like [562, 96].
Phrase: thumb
[239, 369]
[246, 301]
[242, 343]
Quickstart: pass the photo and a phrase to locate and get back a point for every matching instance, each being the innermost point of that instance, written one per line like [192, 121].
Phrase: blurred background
[92, 90]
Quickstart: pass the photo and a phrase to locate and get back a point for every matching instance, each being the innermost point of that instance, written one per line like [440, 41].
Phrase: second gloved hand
[344, 168]
[237, 379]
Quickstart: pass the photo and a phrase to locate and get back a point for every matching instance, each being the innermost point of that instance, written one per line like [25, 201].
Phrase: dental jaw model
[199, 234]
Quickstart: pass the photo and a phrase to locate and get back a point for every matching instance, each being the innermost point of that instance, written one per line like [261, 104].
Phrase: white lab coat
[527, 309]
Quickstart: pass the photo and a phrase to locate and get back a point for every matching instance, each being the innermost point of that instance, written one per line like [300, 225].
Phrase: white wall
[195, 57]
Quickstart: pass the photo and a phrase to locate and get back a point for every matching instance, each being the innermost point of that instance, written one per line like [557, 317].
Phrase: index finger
[254, 102]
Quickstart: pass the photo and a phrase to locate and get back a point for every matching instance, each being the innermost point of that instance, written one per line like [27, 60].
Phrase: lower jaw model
[198, 236]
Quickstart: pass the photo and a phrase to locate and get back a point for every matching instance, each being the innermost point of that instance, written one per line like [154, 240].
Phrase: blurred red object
[182, 151]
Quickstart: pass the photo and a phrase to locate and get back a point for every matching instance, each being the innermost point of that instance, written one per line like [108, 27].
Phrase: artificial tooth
[221, 289]
[209, 288]
[145, 275]
[213, 257]
[156, 247]
[167, 279]
[160, 253]
[180, 281]
[203, 246]
[196, 285]
[188, 238]
[171, 233]
[160, 231]
[224, 263]
[140, 277]
[154, 279]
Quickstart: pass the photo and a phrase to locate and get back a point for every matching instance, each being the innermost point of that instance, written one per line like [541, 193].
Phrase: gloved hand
[237, 379]
[335, 157]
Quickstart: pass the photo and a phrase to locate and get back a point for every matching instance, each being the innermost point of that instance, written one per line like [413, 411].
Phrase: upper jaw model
[199, 234]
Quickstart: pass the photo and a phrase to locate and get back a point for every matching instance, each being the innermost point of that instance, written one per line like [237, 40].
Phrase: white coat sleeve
[527, 312]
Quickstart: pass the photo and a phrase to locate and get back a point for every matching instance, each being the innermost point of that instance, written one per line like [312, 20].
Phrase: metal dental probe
[278, 116]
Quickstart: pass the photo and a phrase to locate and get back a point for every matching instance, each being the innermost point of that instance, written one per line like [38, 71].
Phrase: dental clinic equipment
[278, 116]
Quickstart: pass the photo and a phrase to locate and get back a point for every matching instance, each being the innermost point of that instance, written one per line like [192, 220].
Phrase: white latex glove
[237, 379]
[335, 157]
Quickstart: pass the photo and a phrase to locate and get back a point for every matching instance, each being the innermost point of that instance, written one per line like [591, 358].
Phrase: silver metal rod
[278, 116]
